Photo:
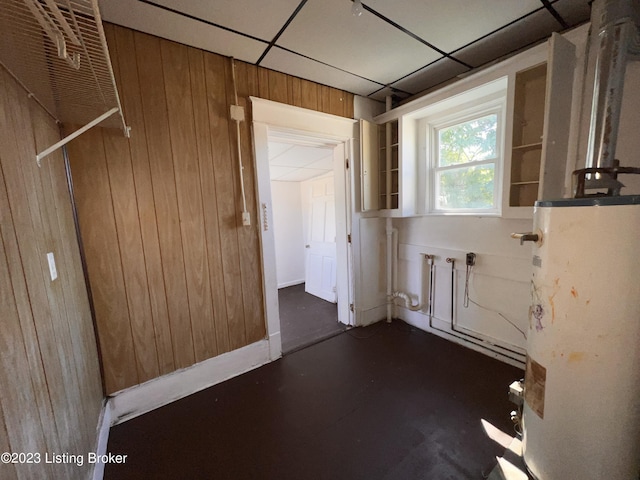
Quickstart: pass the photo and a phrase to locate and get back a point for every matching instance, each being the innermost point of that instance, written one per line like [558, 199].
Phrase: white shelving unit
[57, 50]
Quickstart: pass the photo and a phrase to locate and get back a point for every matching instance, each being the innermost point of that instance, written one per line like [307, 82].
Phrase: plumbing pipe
[460, 335]
[408, 302]
[389, 231]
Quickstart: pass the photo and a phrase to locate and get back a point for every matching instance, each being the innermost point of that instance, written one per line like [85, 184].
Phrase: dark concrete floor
[382, 402]
[305, 319]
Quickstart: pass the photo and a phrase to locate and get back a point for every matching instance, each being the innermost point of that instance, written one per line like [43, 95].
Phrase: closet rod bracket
[79, 132]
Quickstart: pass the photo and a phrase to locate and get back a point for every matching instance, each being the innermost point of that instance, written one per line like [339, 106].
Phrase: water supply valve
[529, 237]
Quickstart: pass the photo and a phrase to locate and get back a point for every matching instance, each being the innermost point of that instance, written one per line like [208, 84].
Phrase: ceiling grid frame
[278, 52]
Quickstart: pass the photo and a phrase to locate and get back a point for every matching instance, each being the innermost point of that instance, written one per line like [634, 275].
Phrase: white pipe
[408, 302]
[389, 230]
[238, 142]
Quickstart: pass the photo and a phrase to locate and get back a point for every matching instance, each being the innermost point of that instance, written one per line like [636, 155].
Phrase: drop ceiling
[290, 162]
[399, 47]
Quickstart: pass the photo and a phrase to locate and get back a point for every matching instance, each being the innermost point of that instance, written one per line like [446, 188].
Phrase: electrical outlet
[52, 266]
[471, 259]
[246, 219]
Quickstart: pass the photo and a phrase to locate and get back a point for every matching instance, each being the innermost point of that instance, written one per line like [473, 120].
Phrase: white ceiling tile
[325, 163]
[278, 148]
[276, 172]
[367, 46]
[299, 156]
[510, 39]
[157, 21]
[292, 64]
[430, 76]
[302, 174]
[256, 18]
[450, 24]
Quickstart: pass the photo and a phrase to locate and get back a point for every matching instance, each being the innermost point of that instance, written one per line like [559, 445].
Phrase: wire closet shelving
[58, 51]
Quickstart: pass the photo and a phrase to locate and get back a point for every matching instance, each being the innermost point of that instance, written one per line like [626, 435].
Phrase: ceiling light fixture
[356, 8]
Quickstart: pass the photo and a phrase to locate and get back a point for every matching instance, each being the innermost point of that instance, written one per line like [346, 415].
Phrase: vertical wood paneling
[51, 392]
[13, 281]
[232, 212]
[309, 95]
[324, 99]
[100, 238]
[219, 124]
[191, 273]
[348, 112]
[71, 312]
[23, 426]
[7, 470]
[154, 102]
[296, 91]
[209, 326]
[336, 102]
[263, 83]
[175, 61]
[125, 209]
[250, 264]
[78, 310]
[34, 239]
[125, 59]
[278, 87]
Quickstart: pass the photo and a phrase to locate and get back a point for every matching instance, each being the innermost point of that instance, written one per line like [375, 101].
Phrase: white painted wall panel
[288, 232]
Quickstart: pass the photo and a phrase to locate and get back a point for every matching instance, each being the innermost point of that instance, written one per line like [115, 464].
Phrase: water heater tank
[581, 417]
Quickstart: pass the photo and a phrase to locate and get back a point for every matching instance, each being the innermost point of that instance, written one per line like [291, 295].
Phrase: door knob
[528, 237]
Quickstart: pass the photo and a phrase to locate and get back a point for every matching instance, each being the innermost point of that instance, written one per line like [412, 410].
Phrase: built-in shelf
[529, 146]
[388, 164]
[528, 124]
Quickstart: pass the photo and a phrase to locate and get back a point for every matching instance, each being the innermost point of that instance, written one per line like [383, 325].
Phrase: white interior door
[320, 271]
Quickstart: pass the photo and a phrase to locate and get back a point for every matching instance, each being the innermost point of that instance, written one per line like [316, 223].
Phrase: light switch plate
[52, 266]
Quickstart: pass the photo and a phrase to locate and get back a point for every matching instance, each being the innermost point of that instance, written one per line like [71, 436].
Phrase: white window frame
[428, 128]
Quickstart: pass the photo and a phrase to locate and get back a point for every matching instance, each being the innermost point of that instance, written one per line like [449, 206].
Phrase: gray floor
[305, 319]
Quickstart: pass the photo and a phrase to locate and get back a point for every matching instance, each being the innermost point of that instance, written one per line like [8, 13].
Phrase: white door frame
[273, 118]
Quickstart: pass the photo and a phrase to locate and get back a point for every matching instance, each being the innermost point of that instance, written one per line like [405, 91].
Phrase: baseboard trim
[421, 321]
[372, 315]
[104, 423]
[148, 396]
[290, 284]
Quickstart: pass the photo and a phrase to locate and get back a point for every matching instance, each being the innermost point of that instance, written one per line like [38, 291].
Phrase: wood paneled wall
[176, 278]
[50, 389]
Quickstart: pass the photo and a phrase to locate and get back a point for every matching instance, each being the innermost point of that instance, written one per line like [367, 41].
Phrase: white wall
[500, 280]
[288, 231]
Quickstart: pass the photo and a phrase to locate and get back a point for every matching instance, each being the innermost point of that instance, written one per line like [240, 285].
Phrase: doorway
[304, 226]
[279, 123]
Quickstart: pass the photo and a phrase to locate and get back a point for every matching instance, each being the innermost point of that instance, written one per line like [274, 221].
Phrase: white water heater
[581, 417]
[581, 414]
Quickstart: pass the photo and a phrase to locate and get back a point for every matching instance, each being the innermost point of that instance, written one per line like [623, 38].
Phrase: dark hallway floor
[382, 402]
[305, 319]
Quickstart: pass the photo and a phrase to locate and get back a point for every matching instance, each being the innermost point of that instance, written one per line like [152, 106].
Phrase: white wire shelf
[58, 51]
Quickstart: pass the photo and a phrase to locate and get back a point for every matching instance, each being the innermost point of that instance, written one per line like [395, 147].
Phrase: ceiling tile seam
[506, 25]
[202, 20]
[328, 65]
[281, 31]
[457, 50]
[547, 4]
[413, 35]
[396, 89]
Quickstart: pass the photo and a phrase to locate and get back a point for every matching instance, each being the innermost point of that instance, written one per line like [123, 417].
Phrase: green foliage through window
[468, 142]
[467, 187]
[465, 167]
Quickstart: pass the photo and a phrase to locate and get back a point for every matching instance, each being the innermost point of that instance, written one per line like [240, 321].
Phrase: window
[465, 163]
